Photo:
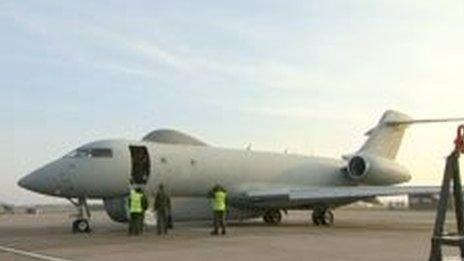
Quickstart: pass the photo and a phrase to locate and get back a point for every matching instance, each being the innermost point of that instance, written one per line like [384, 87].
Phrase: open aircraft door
[140, 162]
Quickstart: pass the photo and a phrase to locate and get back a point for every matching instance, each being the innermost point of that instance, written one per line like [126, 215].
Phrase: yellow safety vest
[219, 201]
[136, 202]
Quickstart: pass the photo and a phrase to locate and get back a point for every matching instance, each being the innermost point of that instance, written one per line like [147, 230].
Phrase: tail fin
[385, 138]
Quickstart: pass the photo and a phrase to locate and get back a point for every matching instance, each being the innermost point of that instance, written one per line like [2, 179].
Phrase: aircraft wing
[307, 196]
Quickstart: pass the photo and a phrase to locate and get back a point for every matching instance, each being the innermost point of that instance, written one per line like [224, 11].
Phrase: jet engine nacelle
[117, 209]
[372, 170]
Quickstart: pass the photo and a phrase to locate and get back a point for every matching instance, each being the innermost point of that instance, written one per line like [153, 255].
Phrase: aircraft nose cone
[41, 180]
[23, 183]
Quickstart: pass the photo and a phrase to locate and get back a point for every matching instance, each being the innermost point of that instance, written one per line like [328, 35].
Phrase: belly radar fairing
[259, 183]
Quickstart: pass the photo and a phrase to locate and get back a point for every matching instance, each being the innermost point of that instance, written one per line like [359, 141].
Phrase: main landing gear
[272, 217]
[322, 217]
[81, 224]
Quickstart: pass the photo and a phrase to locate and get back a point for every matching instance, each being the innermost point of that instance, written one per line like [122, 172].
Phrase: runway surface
[356, 235]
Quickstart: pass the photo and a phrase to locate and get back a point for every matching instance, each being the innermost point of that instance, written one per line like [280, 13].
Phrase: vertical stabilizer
[385, 138]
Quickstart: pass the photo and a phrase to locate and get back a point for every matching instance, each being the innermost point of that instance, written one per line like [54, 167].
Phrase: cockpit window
[91, 153]
[101, 153]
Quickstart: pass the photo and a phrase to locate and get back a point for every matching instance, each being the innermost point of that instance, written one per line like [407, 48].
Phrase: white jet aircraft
[258, 183]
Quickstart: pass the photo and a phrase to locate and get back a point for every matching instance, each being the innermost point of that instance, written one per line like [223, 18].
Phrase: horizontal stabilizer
[405, 122]
[385, 138]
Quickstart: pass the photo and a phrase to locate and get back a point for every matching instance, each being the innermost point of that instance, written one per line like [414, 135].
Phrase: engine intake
[372, 170]
[357, 168]
[116, 208]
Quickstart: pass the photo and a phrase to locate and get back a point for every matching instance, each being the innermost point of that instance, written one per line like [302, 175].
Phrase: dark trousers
[219, 221]
[136, 224]
[161, 222]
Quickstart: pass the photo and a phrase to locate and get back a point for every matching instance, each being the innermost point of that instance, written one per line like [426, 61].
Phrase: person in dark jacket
[163, 210]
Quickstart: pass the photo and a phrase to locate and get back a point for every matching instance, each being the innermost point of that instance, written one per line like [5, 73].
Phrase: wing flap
[359, 192]
[312, 195]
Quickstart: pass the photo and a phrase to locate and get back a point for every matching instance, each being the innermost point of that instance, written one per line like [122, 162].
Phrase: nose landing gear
[81, 224]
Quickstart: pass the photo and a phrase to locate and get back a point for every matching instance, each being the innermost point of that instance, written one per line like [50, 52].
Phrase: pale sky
[307, 76]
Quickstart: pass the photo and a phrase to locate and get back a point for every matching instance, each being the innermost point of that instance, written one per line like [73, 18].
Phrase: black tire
[273, 217]
[81, 226]
[315, 218]
[266, 219]
[327, 218]
[276, 217]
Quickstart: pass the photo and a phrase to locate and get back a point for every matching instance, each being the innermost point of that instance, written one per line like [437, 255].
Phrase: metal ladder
[451, 176]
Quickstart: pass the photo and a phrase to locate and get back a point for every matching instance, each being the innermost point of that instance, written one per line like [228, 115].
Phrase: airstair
[452, 178]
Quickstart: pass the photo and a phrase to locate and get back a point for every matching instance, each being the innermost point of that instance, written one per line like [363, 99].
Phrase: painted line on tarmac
[31, 254]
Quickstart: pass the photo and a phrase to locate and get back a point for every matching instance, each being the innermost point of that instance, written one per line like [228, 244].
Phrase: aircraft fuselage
[188, 171]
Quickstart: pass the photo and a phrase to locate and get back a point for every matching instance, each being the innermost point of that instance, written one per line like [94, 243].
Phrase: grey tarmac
[358, 234]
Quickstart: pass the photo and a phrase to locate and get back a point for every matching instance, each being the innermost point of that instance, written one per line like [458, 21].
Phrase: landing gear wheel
[81, 226]
[322, 217]
[272, 217]
[315, 218]
[327, 218]
[266, 219]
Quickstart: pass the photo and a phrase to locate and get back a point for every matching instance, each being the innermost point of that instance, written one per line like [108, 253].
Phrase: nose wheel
[82, 222]
[81, 226]
[322, 217]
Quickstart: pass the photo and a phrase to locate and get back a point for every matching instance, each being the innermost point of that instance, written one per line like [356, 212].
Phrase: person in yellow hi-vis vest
[218, 196]
[137, 205]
